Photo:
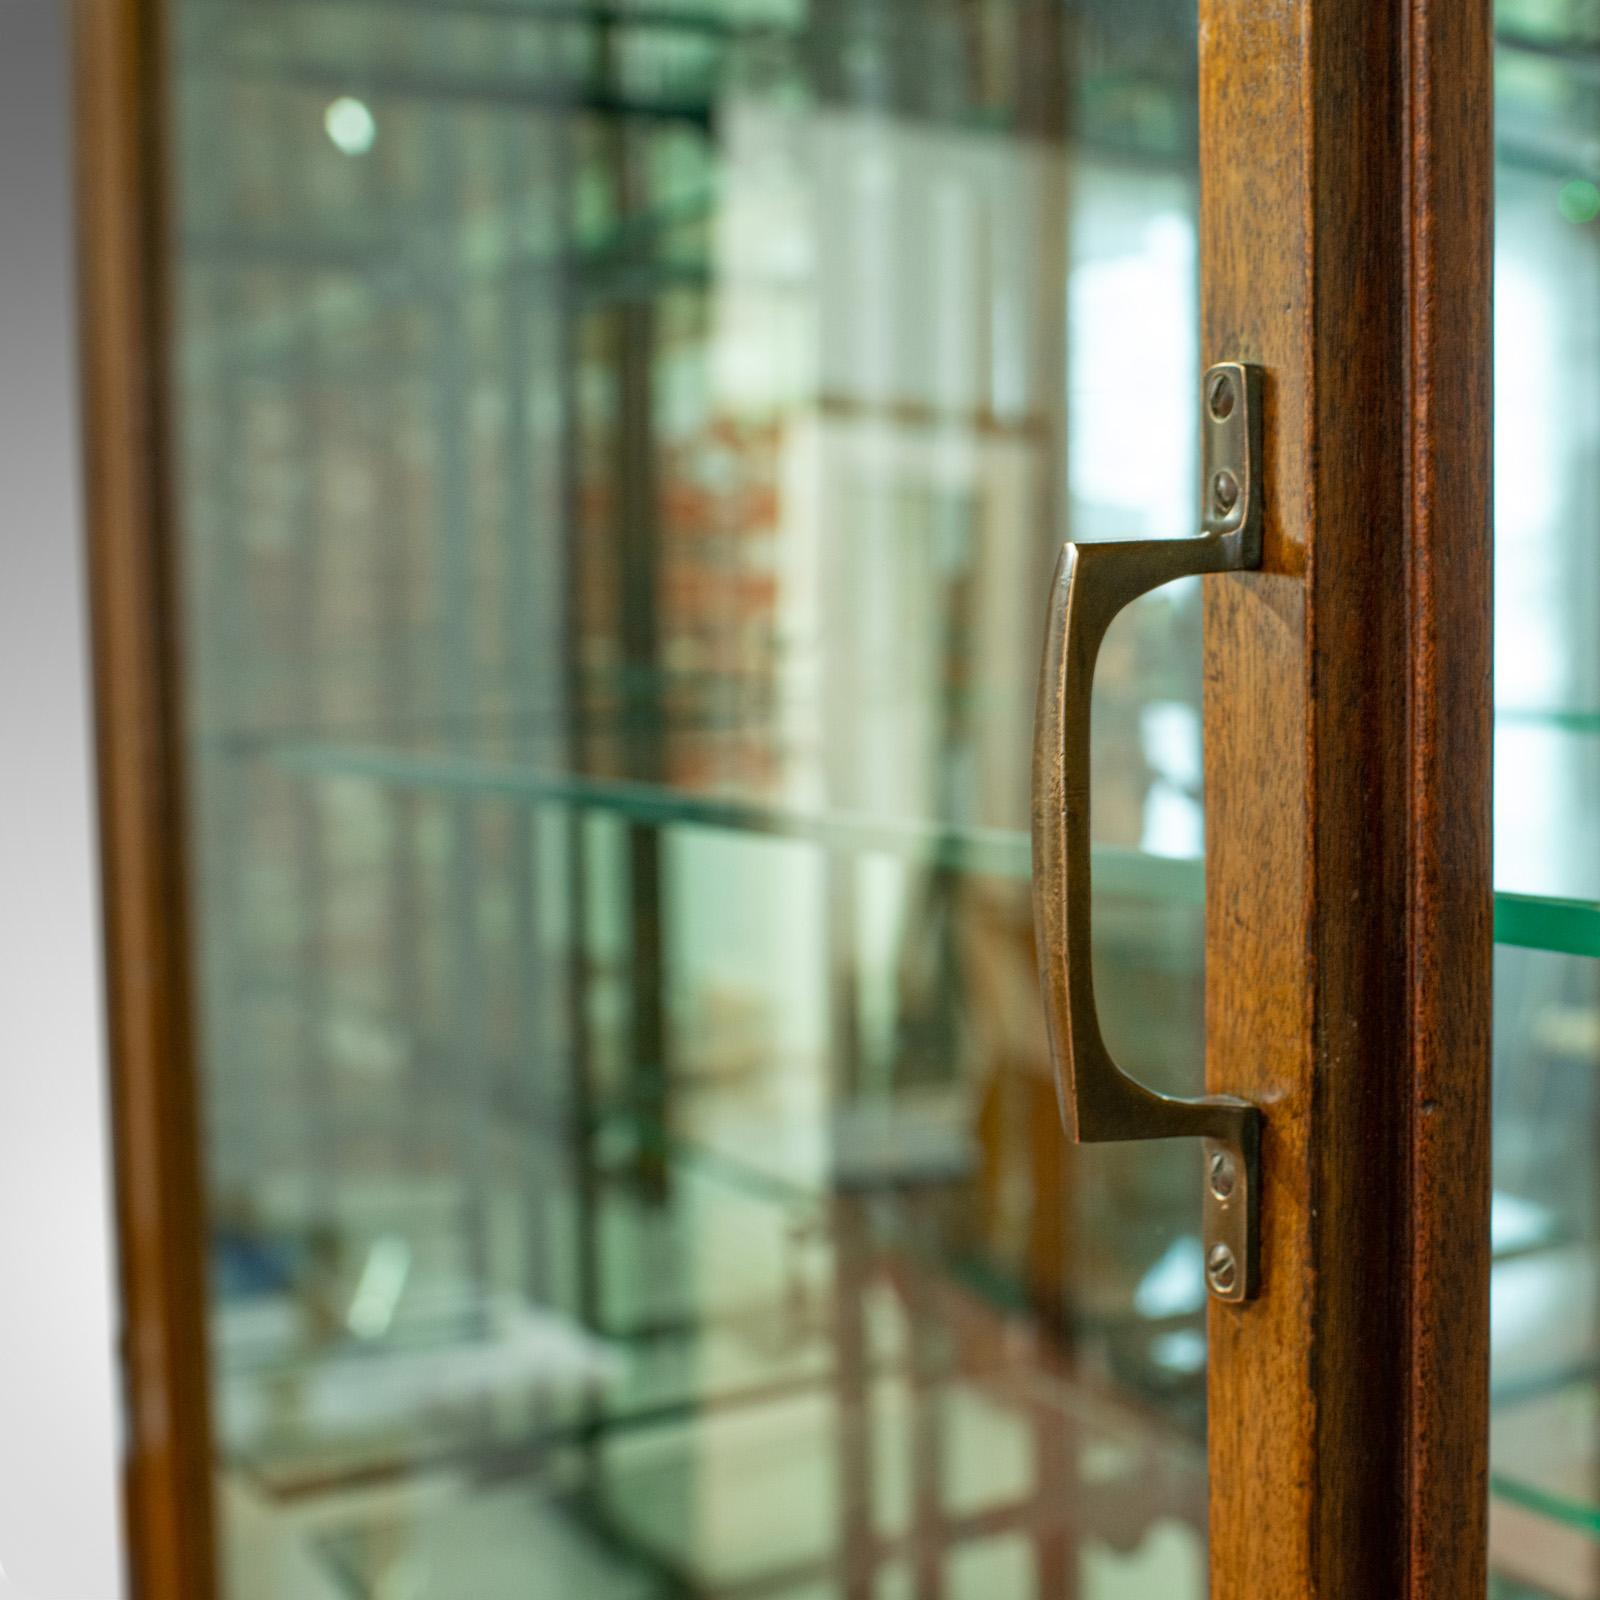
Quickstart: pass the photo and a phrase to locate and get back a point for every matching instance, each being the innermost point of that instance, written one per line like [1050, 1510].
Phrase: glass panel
[1547, 449]
[623, 453]
[1545, 1438]
[1545, 1450]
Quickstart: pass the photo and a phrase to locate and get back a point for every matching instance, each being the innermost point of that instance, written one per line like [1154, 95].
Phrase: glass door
[1545, 1456]
[623, 449]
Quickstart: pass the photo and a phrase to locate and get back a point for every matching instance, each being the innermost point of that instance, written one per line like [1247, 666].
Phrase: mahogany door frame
[1346, 205]
[156, 1138]
[1347, 193]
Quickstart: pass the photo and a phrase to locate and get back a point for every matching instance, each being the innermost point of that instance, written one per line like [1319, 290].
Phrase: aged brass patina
[1093, 582]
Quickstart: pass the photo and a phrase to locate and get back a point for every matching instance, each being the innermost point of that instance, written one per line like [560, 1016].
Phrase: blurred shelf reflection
[1532, 921]
[618, 479]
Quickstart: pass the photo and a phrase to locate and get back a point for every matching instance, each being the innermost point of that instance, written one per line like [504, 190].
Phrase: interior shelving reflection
[1530, 921]
[701, 366]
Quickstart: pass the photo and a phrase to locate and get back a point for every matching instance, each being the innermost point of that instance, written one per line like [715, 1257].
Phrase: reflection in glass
[1545, 1446]
[624, 450]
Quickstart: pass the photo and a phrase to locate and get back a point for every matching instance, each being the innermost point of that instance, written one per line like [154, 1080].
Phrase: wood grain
[139, 720]
[1345, 227]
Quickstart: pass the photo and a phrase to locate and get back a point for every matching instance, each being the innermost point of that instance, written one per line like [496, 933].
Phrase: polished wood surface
[1450, 185]
[1345, 226]
[138, 690]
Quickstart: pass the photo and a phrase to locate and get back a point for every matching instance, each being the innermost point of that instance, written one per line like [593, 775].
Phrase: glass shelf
[1578, 1512]
[641, 1527]
[1552, 1403]
[310, 1405]
[1528, 921]
[1535, 922]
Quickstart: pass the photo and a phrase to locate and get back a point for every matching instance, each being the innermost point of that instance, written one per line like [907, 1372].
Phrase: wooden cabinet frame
[1347, 195]
[1346, 152]
[156, 1135]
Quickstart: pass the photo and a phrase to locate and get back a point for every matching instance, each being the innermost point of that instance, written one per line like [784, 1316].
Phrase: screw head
[1224, 491]
[1222, 1175]
[1219, 395]
[1221, 1269]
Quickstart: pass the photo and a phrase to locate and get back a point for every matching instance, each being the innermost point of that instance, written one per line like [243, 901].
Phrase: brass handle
[1093, 582]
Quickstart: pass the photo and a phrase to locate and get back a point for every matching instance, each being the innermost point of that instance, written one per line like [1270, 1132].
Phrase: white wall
[59, 1534]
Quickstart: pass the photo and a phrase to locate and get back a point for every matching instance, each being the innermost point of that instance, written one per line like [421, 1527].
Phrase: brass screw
[1219, 395]
[1222, 1269]
[1222, 1175]
[1224, 491]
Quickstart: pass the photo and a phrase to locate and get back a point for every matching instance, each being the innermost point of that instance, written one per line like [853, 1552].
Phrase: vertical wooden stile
[1347, 190]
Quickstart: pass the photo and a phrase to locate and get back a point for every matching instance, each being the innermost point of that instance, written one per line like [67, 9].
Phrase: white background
[59, 1534]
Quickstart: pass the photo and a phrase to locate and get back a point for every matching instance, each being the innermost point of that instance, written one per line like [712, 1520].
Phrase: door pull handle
[1092, 583]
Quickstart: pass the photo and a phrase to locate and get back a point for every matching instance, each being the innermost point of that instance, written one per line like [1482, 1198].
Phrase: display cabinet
[595, 475]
